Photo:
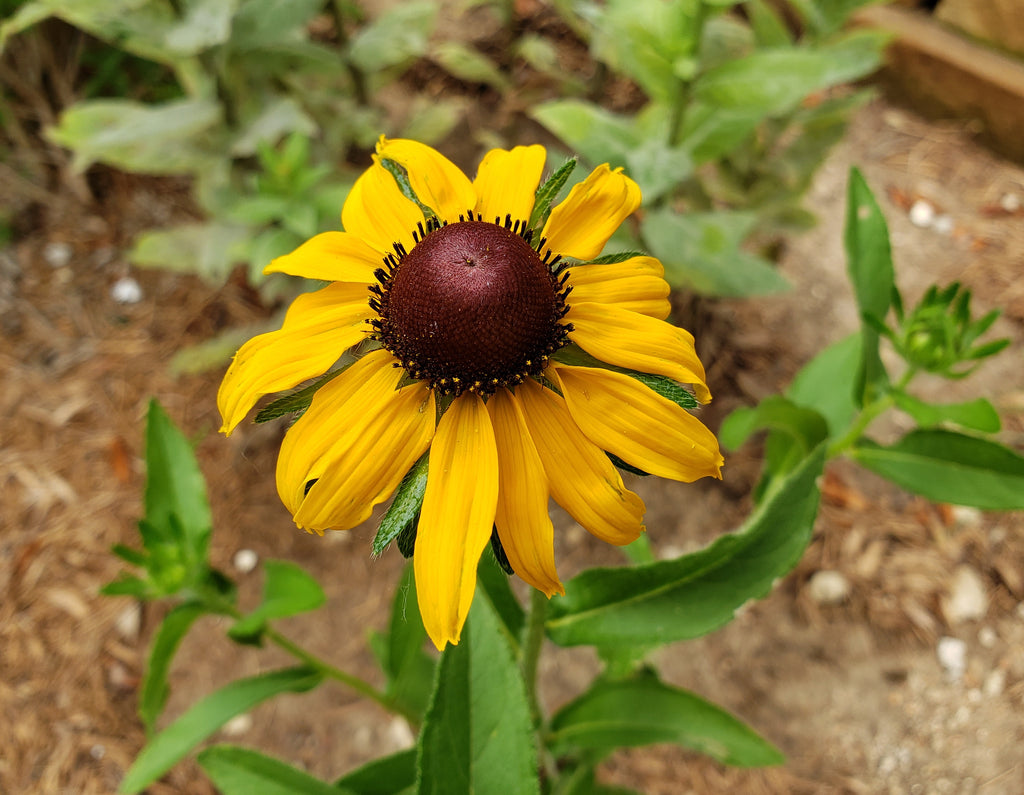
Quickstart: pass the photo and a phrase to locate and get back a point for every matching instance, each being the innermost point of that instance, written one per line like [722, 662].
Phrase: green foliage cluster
[258, 109]
[480, 726]
[738, 113]
[263, 99]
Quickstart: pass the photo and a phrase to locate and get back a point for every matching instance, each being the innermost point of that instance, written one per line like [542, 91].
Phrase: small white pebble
[952, 654]
[98, 751]
[238, 725]
[128, 622]
[987, 637]
[400, 734]
[965, 517]
[57, 255]
[245, 560]
[1010, 202]
[967, 598]
[828, 587]
[922, 213]
[994, 683]
[943, 224]
[126, 291]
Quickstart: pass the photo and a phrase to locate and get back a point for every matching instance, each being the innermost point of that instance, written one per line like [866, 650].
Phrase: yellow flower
[471, 312]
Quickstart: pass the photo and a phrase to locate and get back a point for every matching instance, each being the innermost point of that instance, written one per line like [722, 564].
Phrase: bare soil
[853, 692]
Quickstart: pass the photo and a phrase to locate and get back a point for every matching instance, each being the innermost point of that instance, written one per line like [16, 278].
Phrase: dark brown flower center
[471, 307]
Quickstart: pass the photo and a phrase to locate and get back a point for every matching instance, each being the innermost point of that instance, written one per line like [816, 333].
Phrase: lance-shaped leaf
[389, 775]
[976, 415]
[869, 264]
[241, 771]
[643, 711]
[951, 467]
[154, 691]
[287, 591]
[694, 594]
[206, 716]
[410, 671]
[478, 735]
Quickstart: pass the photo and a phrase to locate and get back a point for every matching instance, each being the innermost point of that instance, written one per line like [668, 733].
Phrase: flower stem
[532, 644]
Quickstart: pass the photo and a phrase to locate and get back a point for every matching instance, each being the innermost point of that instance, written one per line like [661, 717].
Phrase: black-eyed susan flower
[500, 350]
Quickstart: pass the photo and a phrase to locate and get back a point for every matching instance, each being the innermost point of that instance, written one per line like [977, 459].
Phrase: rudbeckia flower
[503, 352]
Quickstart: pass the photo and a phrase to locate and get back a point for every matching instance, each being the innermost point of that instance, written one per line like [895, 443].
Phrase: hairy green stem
[869, 414]
[532, 644]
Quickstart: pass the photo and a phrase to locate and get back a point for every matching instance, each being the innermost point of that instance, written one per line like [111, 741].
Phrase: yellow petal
[318, 328]
[635, 284]
[581, 477]
[377, 212]
[637, 342]
[436, 181]
[506, 182]
[456, 518]
[522, 519]
[581, 225]
[621, 415]
[357, 440]
[332, 257]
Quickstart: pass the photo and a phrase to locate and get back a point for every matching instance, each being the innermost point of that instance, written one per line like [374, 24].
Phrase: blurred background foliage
[721, 110]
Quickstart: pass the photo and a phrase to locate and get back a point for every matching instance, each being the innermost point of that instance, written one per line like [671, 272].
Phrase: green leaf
[154, 690]
[150, 139]
[174, 485]
[129, 555]
[597, 134]
[824, 17]
[241, 771]
[478, 735]
[495, 586]
[389, 775]
[976, 415]
[548, 192]
[652, 41]
[869, 264]
[950, 467]
[128, 585]
[206, 716]
[769, 28]
[287, 591]
[297, 401]
[469, 64]
[805, 426]
[410, 671]
[209, 250]
[205, 24]
[826, 383]
[261, 25]
[775, 81]
[694, 594]
[395, 38]
[278, 116]
[405, 508]
[644, 711]
[701, 251]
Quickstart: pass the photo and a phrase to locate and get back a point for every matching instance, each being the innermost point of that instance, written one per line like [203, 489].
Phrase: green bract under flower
[472, 316]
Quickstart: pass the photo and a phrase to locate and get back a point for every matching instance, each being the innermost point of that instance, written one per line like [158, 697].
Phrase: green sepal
[404, 510]
[614, 259]
[499, 552]
[296, 402]
[547, 193]
[402, 179]
[406, 541]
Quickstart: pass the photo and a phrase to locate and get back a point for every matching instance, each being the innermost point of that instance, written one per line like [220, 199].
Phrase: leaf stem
[329, 671]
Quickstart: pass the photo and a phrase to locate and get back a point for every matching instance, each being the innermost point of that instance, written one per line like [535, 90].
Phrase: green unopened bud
[938, 335]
